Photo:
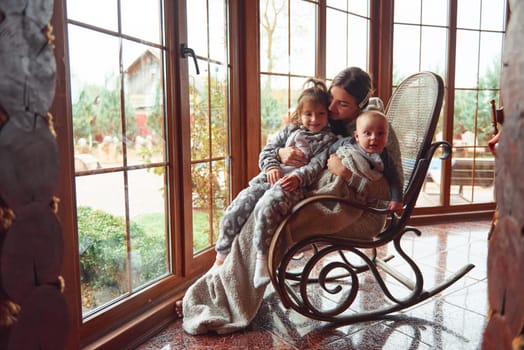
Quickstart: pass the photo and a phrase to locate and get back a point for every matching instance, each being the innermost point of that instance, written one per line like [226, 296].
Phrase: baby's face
[314, 116]
[372, 132]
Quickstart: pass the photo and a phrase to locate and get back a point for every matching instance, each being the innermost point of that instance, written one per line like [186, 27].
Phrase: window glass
[218, 42]
[467, 58]
[347, 41]
[209, 119]
[302, 38]
[197, 30]
[95, 98]
[408, 11]
[99, 13]
[275, 102]
[140, 20]
[490, 59]
[433, 52]
[476, 66]
[143, 103]
[149, 257]
[468, 14]
[435, 12]
[119, 140]
[472, 170]
[336, 49]
[493, 14]
[274, 36]
[358, 43]
[406, 51]
[338, 4]
[102, 243]
[360, 8]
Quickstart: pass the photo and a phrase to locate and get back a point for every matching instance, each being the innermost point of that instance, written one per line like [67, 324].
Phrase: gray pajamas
[270, 204]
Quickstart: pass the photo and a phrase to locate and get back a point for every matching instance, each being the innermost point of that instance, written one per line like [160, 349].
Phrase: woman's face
[343, 106]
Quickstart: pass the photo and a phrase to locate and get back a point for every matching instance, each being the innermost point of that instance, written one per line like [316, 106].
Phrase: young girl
[272, 193]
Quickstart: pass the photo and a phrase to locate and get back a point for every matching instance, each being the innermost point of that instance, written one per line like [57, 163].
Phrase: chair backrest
[413, 111]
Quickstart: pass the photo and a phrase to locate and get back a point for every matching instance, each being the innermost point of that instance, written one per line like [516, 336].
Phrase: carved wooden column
[33, 312]
[506, 246]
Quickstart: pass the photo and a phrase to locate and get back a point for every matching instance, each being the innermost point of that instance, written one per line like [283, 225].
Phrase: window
[292, 49]
[347, 35]
[424, 39]
[287, 56]
[209, 119]
[147, 125]
[120, 147]
[480, 34]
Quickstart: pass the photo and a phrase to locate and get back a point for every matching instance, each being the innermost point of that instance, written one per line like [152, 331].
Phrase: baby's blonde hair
[375, 113]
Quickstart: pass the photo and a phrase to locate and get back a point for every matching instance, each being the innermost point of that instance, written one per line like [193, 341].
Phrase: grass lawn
[153, 224]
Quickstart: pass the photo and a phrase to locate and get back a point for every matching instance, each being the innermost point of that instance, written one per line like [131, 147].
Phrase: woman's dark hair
[357, 83]
[315, 91]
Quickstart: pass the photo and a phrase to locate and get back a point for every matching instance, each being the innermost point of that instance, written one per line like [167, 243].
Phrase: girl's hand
[289, 183]
[335, 166]
[273, 175]
[292, 156]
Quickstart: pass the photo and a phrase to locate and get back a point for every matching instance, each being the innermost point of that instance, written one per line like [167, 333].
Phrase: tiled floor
[454, 319]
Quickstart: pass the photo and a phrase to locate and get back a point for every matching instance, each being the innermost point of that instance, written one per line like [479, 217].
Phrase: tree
[471, 103]
[272, 10]
[271, 109]
[97, 113]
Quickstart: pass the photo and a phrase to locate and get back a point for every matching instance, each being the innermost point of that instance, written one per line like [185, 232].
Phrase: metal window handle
[187, 51]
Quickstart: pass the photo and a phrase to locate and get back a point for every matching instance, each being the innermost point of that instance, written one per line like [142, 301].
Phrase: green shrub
[149, 257]
[102, 248]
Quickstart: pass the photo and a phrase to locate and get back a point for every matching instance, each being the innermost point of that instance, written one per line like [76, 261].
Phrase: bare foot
[178, 309]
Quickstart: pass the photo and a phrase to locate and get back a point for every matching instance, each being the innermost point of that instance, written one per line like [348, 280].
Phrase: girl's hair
[316, 93]
[357, 83]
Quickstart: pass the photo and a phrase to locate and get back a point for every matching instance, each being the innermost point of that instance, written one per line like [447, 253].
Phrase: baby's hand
[289, 183]
[395, 206]
[273, 175]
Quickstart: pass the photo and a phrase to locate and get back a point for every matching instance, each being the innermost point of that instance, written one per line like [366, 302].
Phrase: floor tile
[454, 319]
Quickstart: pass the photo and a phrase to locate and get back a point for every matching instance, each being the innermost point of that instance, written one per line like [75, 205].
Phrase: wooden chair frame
[417, 100]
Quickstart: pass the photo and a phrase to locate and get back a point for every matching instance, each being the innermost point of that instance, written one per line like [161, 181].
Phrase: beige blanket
[225, 300]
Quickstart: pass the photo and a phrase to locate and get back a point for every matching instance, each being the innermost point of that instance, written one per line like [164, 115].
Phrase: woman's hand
[395, 206]
[335, 166]
[492, 144]
[289, 183]
[273, 175]
[292, 156]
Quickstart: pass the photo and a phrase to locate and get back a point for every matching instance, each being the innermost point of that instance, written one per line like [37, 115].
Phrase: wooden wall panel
[33, 311]
[506, 246]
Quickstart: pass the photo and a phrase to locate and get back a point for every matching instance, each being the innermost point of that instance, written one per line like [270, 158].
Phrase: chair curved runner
[323, 276]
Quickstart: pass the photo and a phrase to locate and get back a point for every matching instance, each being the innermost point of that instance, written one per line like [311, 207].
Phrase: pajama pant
[269, 204]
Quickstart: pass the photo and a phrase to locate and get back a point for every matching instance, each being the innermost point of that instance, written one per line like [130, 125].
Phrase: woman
[225, 300]
[350, 92]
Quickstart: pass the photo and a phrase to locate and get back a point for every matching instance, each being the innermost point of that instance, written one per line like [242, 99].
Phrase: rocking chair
[322, 275]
